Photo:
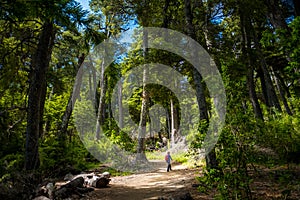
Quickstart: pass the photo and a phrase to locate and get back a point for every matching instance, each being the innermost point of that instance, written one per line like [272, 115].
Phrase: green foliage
[245, 141]
[180, 158]
[57, 160]
[119, 137]
[10, 163]
[281, 134]
[282, 51]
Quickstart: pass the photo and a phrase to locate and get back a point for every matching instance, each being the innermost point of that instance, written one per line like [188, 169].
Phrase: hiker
[168, 159]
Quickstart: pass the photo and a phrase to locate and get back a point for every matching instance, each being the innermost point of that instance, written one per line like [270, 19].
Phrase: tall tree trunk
[282, 94]
[72, 99]
[211, 161]
[145, 101]
[172, 139]
[252, 93]
[120, 96]
[176, 118]
[260, 74]
[275, 14]
[248, 58]
[37, 94]
[277, 19]
[166, 16]
[47, 125]
[271, 96]
[297, 7]
[101, 106]
[168, 123]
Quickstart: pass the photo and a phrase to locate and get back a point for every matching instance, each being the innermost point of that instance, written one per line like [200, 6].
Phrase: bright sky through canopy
[84, 3]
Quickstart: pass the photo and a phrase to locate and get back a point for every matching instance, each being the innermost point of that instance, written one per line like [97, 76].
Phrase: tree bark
[296, 7]
[145, 107]
[172, 139]
[282, 94]
[248, 58]
[37, 94]
[120, 96]
[275, 15]
[72, 99]
[196, 75]
[103, 88]
[211, 161]
[166, 17]
[271, 96]
[252, 93]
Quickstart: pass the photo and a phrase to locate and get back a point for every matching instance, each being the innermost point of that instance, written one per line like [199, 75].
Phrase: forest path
[150, 185]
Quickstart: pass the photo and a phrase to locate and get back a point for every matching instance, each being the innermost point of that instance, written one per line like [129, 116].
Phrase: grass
[104, 168]
[114, 172]
[155, 155]
[178, 157]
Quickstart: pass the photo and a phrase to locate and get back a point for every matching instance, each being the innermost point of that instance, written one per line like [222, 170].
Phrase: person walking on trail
[168, 159]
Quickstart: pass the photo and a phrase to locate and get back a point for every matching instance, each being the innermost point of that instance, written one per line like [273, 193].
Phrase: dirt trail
[146, 186]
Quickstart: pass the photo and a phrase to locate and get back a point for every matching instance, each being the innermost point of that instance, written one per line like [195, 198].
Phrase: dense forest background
[254, 43]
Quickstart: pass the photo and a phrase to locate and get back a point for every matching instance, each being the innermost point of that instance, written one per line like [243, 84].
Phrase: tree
[145, 97]
[37, 94]
[37, 78]
[115, 15]
[211, 161]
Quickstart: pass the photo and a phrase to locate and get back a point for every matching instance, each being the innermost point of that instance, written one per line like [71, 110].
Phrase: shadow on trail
[150, 185]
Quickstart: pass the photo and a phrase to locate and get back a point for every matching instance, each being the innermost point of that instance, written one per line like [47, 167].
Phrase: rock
[85, 190]
[68, 189]
[41, 198]
[50, 189]
[78, 182]
[68, 177]
[100, 182]
[106, 174]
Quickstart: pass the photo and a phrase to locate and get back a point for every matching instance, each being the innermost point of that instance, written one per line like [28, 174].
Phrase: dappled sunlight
[150, 185]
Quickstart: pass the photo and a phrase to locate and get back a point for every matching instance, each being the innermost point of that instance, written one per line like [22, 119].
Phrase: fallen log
[95, 180]
[68, 189]
[81, 184]
[77, 182]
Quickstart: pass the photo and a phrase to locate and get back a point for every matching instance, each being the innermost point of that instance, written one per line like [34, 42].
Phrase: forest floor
[267, 183]
[151, 185]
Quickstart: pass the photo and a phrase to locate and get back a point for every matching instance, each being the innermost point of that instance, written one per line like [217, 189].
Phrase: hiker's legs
[169, 167]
